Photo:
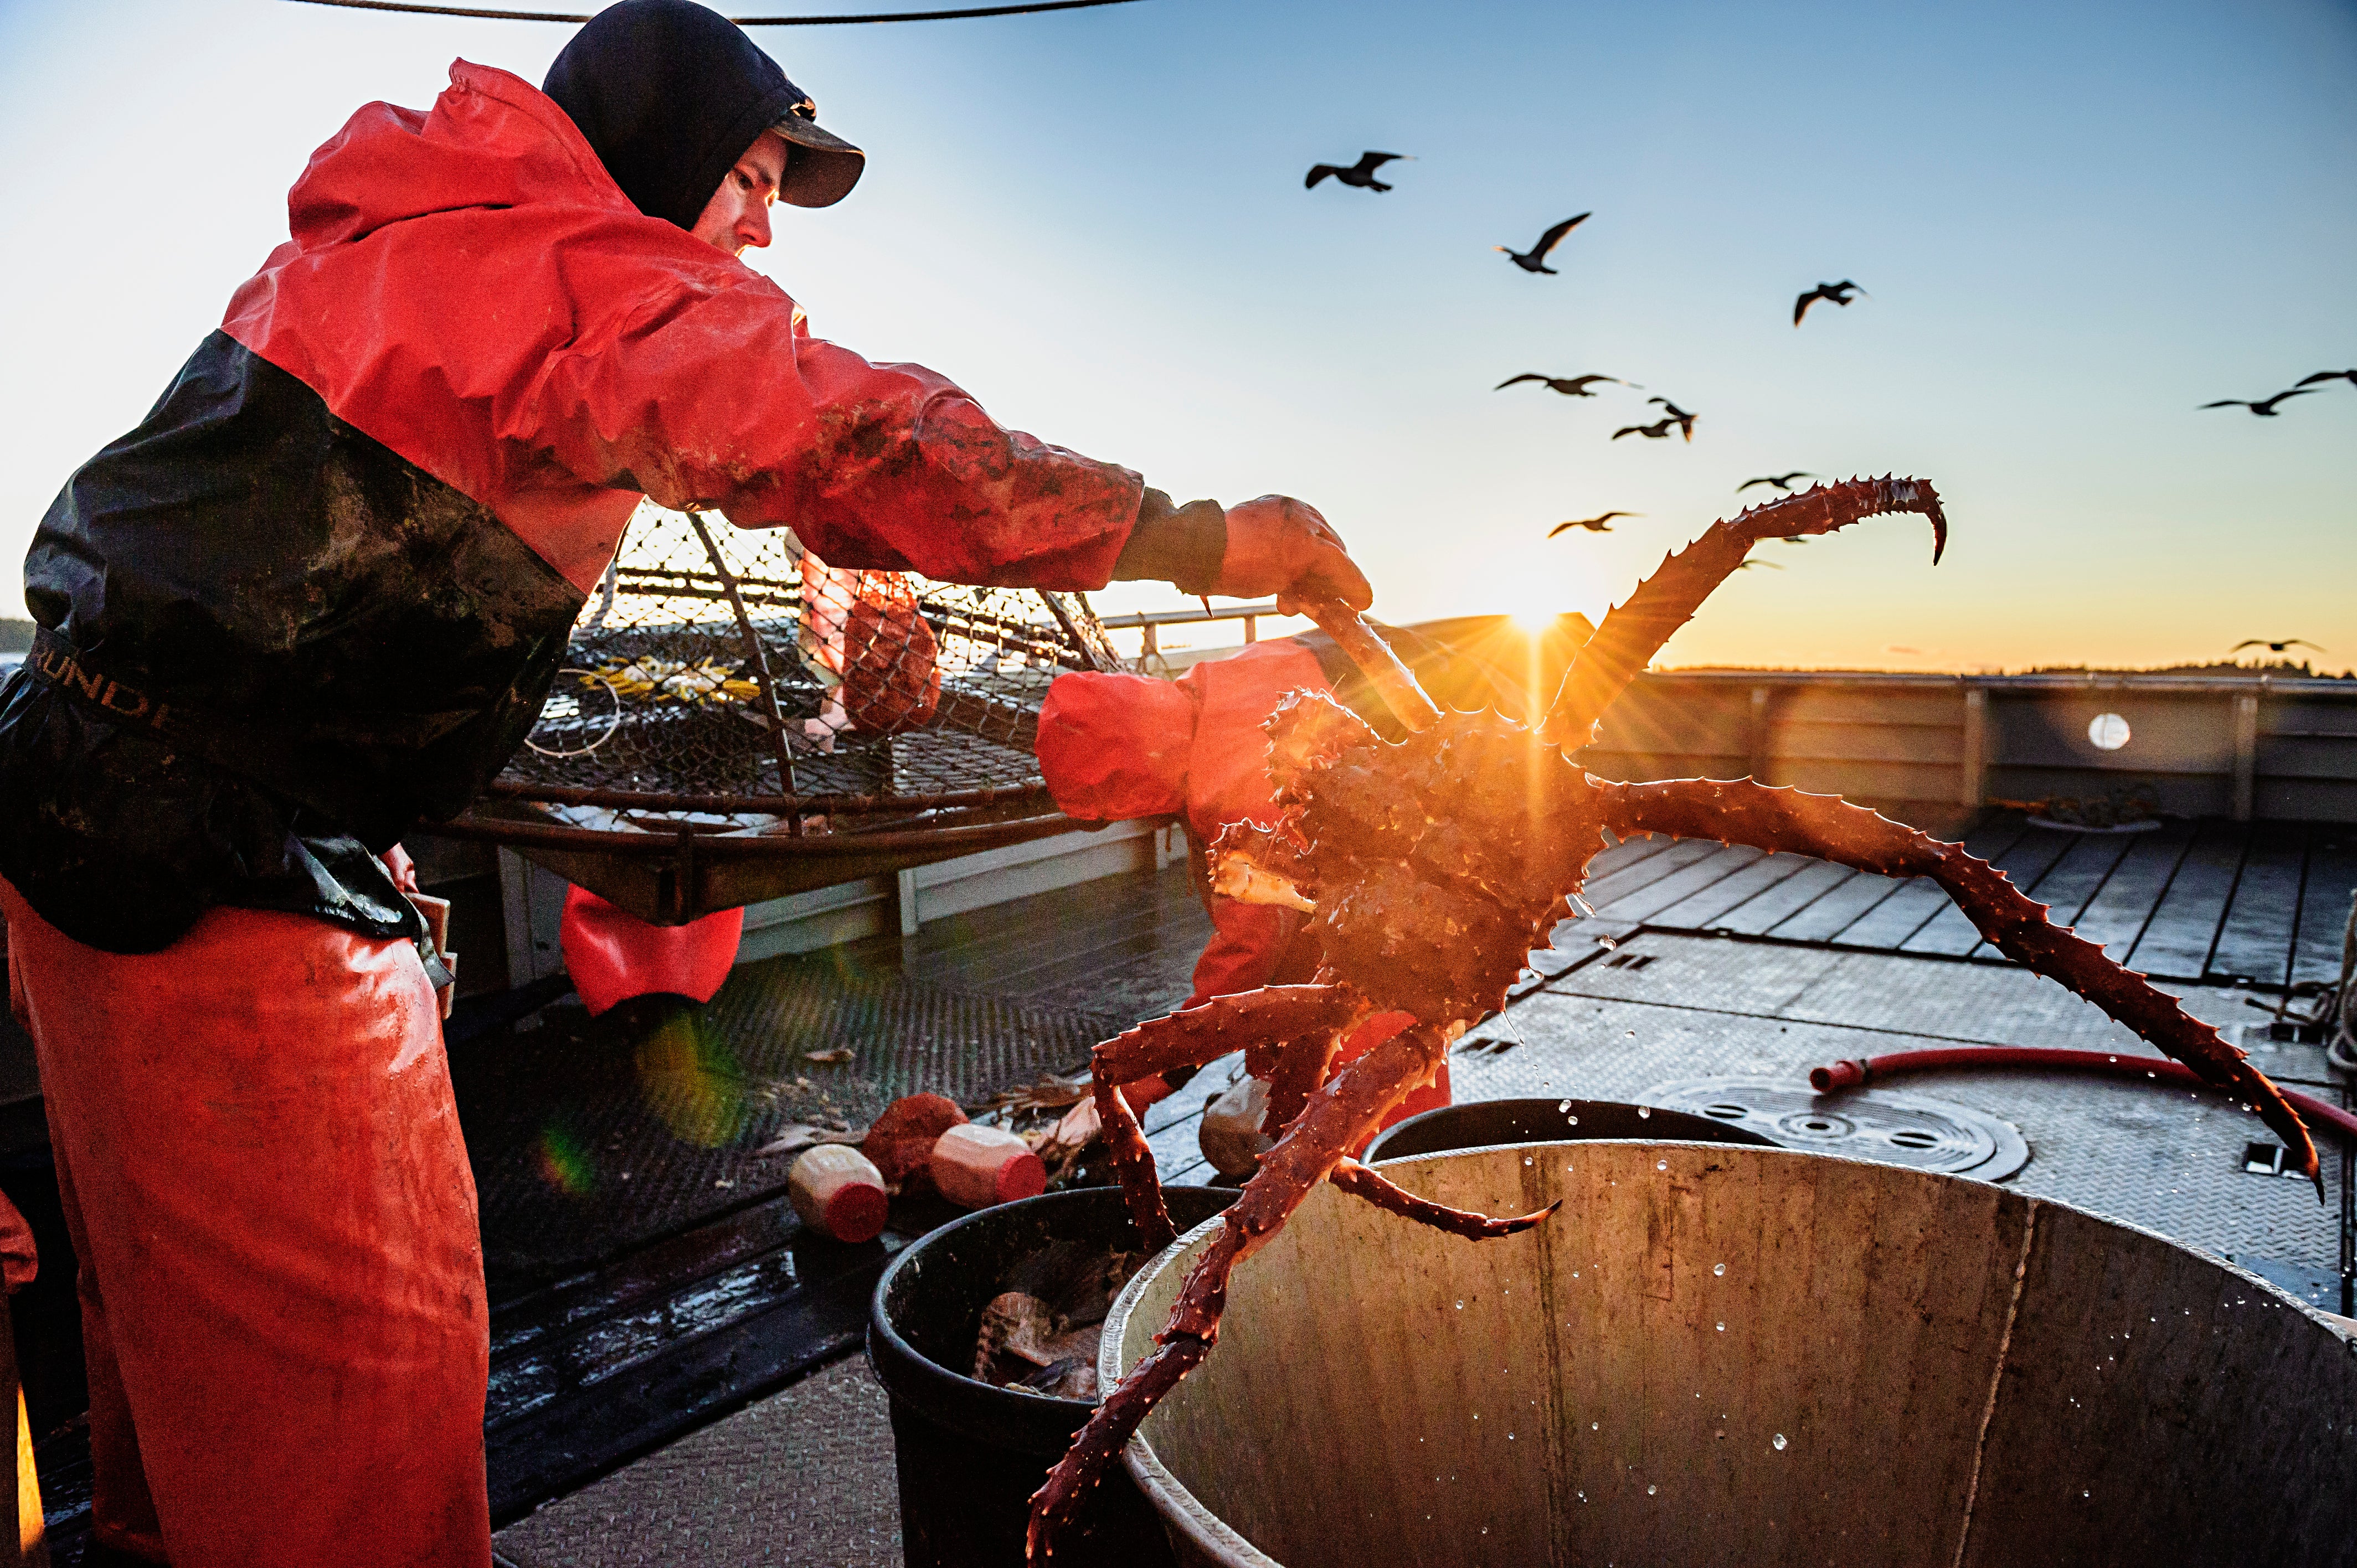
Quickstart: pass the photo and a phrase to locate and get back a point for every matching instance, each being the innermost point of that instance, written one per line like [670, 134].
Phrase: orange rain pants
[282, 1277]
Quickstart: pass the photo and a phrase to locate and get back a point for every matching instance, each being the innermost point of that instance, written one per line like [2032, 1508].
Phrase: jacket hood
[491, 141]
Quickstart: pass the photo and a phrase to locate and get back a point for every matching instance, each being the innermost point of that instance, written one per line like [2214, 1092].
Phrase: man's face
[738, 215]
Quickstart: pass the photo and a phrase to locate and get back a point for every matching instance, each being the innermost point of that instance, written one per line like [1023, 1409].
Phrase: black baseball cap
[669, 94]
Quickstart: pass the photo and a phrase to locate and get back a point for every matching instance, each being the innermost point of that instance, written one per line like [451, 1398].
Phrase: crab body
[1432, 864]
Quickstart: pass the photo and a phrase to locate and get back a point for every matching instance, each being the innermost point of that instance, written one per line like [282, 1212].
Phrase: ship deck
[677, 1373]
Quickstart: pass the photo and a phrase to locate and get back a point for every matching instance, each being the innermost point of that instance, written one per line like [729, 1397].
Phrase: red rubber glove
[401, 868]
[1282, 546]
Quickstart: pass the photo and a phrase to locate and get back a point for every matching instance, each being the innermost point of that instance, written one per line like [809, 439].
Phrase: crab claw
[1634, 630]
[1842, 503]
[1917, 495]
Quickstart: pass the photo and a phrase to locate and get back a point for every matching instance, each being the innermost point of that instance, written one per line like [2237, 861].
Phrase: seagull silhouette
[1600, 523]
[1781, 481]
[1684, 420]
[1650, 432]
[1570, 386]
[1361, 174]
[2265, 408]
[2323, 376]
[1535, 258]
[1838, 292]
[2277, 647]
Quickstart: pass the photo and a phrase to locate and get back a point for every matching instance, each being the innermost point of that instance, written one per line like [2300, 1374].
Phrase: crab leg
[1345, 1110]
[1634, 630]
[1384, 1194]
[1832, 829]
[1302, 1066]
[1376, 661]
[1199, 1034]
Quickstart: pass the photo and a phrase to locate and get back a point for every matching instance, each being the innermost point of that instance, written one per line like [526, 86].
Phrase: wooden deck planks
[1763, 911]
[2324, 905]
[1836, 908]
[2026, 861]
[1703, 910]
[1697, 876]
[2254, 938]
[2210, 901]
[1888, 925]
[1627, 853]
[2077, 874]
[2118, 912]
[1604, 891]
[2085, 870]
[2176, 942]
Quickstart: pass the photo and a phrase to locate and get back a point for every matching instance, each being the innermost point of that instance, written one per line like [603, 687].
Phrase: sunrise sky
[2076, 223]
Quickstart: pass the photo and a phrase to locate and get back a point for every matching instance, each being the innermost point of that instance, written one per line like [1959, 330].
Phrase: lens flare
[563, 1164]
[689, 1078]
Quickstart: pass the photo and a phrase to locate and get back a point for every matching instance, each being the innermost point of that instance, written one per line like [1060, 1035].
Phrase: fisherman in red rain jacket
[314, 601]
[1114, 747]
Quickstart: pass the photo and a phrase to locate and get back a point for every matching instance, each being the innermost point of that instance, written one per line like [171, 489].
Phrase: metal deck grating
[1606, 1025]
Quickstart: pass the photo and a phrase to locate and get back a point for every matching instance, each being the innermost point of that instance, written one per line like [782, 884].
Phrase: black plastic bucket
[970, 1455]
[1486, 1124]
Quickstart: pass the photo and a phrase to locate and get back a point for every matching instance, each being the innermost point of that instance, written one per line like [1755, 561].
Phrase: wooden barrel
[1717, 1354]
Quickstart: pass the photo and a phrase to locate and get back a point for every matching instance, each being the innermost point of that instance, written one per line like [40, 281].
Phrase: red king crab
[1432, 866]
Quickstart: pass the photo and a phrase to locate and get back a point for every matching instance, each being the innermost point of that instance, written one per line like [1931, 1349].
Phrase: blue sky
[2076, 223]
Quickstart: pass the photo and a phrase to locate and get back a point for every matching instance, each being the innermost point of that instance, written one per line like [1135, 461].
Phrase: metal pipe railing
[1148, 623]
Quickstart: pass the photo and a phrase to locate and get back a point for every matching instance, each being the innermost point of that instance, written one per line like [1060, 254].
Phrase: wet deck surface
[1849, 966]
[2208, 902]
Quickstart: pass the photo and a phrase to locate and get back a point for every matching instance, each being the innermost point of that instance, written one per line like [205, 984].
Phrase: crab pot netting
[714, 661]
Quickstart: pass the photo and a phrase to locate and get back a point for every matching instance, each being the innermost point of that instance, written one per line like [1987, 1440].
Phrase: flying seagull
[1684, 420]
[1650, 432]
[1600, 523]
[1781, 481]
[1838, 292]
[2323, 376]
[2277, 647]
[1535, 258]
[2265, 408]
[1570, 386]
[1361, 174]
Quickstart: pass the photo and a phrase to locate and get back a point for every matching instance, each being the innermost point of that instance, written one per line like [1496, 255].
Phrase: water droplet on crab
[1460, 1306]
[1651, 1490]
[1777, 1443]
[1570, 1121]
[1661, 1165]
[1719, 1268]
[1526, 1159]
[1722, 1328]
[1642, 1111]
[1566, 1109]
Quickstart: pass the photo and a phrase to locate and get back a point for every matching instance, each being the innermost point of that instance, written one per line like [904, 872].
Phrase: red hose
[1851, 1074]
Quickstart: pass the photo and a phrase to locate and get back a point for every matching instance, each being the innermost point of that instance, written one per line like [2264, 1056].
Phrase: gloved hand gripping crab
[1434, 865]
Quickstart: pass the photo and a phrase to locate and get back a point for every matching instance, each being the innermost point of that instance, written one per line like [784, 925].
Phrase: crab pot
[1485, 1123]
[969, 1454]
[1720, 1354]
